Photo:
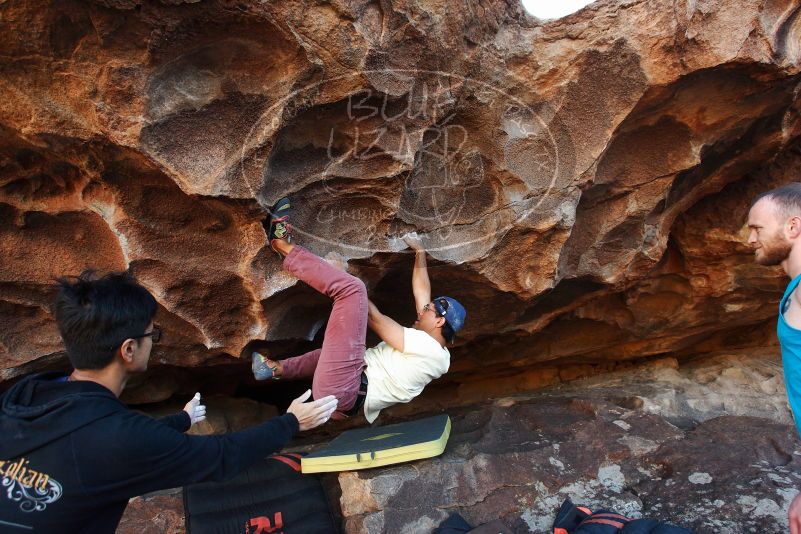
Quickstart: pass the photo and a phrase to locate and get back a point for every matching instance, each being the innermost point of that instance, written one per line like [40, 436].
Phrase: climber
[394, 371]
[774, 223]
[73, 454]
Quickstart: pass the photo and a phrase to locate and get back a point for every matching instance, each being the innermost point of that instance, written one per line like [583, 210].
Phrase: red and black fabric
[271, 497]
[602, 522]
[572, 519]
[569, 517]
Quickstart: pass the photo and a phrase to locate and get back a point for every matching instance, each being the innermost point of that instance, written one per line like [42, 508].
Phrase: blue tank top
[790, 340]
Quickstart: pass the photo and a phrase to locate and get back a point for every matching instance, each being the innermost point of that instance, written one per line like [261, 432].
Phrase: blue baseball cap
[453, 312]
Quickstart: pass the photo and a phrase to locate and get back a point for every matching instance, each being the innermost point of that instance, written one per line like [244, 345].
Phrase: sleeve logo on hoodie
[33, 489]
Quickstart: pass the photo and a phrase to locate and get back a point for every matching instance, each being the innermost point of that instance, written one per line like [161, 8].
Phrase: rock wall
[582, 184]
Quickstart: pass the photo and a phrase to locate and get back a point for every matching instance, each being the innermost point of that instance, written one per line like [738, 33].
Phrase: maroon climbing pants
[337, 366]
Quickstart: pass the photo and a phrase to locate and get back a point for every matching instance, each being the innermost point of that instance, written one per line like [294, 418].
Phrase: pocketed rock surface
[581, 183]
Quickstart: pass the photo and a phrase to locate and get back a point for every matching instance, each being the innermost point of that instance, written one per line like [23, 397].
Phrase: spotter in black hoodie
[72, 454]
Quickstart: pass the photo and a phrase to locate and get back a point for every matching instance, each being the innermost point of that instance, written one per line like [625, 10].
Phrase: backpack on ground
[270, 497]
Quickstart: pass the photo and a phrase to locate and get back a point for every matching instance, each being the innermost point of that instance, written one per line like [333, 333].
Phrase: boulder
[581, 183]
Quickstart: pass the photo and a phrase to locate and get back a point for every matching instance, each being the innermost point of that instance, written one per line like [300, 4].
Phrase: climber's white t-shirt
[394, 376]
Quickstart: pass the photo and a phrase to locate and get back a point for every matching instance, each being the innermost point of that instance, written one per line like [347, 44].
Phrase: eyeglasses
[443, 306]
[154, 334]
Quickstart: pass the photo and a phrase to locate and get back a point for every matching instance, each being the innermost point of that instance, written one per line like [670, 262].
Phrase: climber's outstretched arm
[421, 285]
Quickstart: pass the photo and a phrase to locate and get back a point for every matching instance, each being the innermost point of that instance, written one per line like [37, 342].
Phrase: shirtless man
[774, 222]
[397, 369]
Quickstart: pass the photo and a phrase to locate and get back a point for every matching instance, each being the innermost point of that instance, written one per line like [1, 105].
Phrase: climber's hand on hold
[414, 241]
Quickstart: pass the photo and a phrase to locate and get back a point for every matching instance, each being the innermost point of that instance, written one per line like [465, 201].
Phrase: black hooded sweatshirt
[72, 454]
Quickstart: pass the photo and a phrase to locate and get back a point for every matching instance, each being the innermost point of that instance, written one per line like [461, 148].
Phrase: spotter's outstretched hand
[312, 414]
[196, 411]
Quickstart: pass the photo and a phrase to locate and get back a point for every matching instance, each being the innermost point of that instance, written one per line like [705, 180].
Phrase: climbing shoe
[261, 370]
[279, 224]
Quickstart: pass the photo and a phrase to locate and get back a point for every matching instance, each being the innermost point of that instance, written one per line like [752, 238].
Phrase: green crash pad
[362, 448]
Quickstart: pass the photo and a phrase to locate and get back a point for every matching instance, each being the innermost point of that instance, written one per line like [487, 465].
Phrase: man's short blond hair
[786, 197]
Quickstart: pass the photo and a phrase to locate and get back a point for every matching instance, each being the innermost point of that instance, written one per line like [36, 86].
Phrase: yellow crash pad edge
[379, 458]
